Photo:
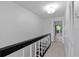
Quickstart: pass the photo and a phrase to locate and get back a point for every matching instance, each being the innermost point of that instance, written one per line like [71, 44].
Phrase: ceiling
[37, 8]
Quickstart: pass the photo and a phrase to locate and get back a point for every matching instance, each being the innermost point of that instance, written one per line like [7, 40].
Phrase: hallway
[56, 49]
[39, 28]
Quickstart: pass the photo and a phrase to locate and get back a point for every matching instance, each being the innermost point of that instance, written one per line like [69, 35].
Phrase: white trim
[30, 50]
[35, 48]
[23, 52]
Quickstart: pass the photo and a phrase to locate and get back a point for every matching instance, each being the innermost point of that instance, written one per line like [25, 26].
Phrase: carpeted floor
[56, 49]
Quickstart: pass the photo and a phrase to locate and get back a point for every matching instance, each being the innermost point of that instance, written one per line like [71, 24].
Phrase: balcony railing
[39, 46]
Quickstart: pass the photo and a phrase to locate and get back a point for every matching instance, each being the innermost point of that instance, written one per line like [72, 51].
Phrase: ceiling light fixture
[51, 8]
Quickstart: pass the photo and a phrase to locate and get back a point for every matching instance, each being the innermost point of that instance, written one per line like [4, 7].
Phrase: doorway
[58, 31]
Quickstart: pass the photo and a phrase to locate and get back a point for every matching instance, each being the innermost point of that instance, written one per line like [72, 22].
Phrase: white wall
[18, 24]
[49, 26]
[68, 31]
[76, 29]
[72, 30]
[76, 37]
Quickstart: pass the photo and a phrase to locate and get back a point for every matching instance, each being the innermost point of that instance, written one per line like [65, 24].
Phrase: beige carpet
[56, 49]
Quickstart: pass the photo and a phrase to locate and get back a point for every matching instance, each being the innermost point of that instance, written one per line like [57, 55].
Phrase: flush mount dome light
[51, 8]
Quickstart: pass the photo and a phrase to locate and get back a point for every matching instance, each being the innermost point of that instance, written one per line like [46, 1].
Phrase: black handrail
[12, 48]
